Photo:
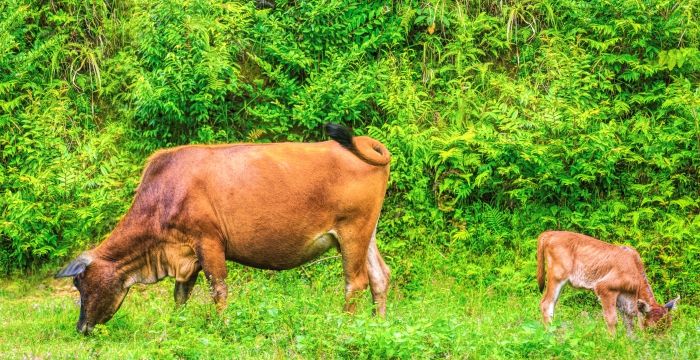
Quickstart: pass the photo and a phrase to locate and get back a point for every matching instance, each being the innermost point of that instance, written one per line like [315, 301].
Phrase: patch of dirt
[62, 287]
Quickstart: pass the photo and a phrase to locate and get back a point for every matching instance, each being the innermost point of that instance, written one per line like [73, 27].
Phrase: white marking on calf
[579, 279]
[555, 298]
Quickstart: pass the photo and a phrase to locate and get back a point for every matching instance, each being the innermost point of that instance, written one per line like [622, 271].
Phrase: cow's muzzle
[83, 327]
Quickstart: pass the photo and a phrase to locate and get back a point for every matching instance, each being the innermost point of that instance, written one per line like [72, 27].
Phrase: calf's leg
[378, 276]
[629, 323]
[608, 299]
[550, 297]
[626, 305]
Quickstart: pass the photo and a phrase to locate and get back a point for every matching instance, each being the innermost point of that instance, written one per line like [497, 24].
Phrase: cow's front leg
[626, 305]
[212, 258]
[629, 323]
[608, 299]
[183, 289]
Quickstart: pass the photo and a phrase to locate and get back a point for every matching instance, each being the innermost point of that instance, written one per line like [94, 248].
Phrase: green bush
[505, 118]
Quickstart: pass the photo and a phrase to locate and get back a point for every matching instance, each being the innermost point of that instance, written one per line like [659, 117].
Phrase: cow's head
[656, 316]
[101, 290]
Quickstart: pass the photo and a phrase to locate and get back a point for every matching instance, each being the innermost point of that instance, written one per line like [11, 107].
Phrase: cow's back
[586, 261]
[266, 202]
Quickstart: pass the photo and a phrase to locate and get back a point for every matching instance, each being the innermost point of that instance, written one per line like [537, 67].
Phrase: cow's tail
[541, 243]
[369, 150]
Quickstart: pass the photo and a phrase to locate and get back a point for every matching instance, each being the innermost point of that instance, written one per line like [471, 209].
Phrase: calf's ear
[75, 267]
[643, 306]
[672, 304]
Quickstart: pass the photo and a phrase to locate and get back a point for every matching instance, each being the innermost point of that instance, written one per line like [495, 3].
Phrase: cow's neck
[137, 259]
[644, 292]
[150, 267]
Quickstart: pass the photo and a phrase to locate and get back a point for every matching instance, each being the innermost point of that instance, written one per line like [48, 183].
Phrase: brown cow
[614, 273]
[270, 206]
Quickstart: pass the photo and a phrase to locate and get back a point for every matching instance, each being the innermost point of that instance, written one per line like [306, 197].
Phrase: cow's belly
[280, 252]
[580, 279]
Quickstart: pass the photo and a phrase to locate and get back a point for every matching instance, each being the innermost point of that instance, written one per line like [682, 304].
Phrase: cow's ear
[672, 304]
[75, 267]
[643, 306]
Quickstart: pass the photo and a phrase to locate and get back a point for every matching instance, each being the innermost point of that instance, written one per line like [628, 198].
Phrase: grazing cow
[270, 206]
[614, 273]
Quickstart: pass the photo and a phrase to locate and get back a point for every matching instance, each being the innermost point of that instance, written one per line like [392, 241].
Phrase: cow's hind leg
[378, 276]
[212, 258]
[183, 289]
[354, 245]
[550, 297]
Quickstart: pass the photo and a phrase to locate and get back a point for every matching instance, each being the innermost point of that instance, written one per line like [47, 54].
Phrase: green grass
[297, 314]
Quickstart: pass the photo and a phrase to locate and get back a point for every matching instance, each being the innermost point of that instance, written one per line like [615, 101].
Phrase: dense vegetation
[505, 118]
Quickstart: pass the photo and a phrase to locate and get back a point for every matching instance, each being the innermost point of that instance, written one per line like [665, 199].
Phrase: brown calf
[270, 206]
[614, 273]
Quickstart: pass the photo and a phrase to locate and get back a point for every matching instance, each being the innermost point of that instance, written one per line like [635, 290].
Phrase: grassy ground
[297, 314]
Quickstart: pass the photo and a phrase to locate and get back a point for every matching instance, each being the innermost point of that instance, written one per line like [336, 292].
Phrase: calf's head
[101, 290]
[656, 316]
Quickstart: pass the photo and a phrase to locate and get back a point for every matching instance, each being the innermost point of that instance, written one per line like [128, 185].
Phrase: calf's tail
[540, 260]
[367, 149]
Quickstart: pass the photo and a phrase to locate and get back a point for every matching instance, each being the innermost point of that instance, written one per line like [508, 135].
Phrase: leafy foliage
[505, 118]
[60, 164]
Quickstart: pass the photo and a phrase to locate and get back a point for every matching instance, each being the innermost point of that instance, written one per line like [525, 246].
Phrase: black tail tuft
[341, 134]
